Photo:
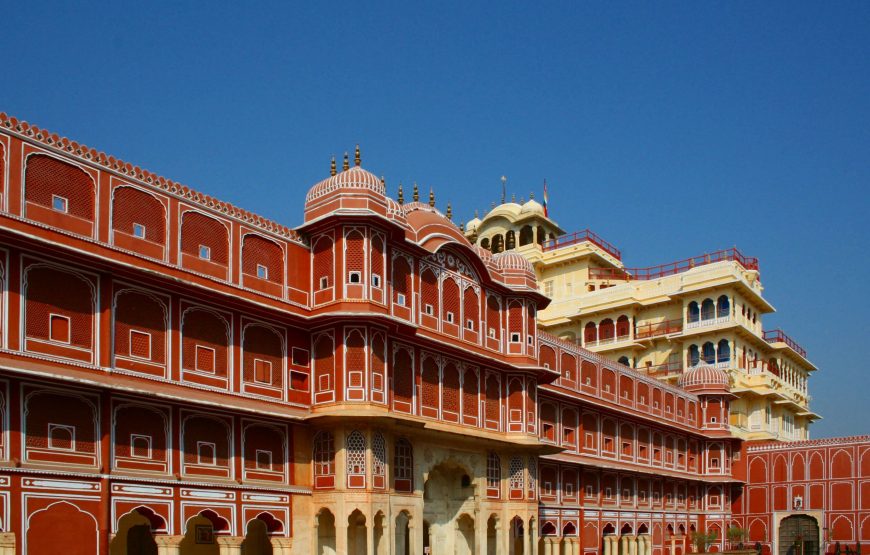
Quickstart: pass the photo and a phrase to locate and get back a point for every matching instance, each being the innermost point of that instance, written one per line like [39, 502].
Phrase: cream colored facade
[663, 320]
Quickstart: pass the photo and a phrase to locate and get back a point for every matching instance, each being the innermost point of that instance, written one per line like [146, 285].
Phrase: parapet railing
[673, 268]
[579, 237]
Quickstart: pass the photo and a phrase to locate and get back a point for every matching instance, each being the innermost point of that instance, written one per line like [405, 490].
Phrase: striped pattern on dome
[354, 178]
[512, 261]
[704, 376]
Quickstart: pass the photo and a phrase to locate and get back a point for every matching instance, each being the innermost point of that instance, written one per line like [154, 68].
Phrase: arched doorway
[200, 532]
[517, 536]
[447, 493]
[50, 529]
[380, 544]
[325, 533]
[403, 534]
[257, 540]
[135, 534]
[492, 535]
[798, 535]
[356, 533]
[464, 541]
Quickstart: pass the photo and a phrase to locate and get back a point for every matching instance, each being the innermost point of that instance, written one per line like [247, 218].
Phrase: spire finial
[383, 182]
[332, 167]
[345, 165]
[492, 206]
[513, 197]
[357, 160]
[475, 213]
[431, 197]
[532, 195]
[416, 194]
[401, 196]
[462, 227]
[449, 212]
[522, 200]
[503, 189]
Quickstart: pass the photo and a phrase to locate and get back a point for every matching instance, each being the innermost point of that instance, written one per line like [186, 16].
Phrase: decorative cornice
[822, 442]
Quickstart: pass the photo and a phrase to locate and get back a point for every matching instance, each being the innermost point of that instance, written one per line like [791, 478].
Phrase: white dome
[532, 206]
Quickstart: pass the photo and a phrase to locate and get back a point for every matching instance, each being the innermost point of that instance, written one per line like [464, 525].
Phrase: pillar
[341, 536]
[370, 535]
[168, 545]
[548, 545]
[281, 545]
[632, 545]
[7, 543]
[673, 545]
[230, 545]
[533, 536]
[606, 541]
[527, 539]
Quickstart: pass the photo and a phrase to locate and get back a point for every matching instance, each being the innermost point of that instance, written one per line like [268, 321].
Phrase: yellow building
[663, 320]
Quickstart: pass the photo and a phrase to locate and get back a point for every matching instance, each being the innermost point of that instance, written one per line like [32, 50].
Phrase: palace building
[183, 377]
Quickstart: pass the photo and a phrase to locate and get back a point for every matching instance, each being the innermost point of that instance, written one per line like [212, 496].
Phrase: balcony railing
[778, 336]
[658, 328]
[664, 270]
[666, 369]
[607, 340]
[704, 322]
[579, 237]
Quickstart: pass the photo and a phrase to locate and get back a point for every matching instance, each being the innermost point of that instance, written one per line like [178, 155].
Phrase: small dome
[483, 253]
[532, 206]
[472, 224]
[705, 378]
[355, 178]
[513, 261]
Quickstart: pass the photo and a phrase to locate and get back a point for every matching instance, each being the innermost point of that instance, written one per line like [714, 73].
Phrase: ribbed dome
[512, 261]
[355, 179]
[704, 378]
[472, 224]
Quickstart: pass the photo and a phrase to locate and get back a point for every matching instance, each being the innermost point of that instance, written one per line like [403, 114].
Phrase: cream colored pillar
[370, 536]
[606, 541]
[341, 537]
[533, 535]
[632, 545]
[230, 545]
[548, 545]
[168, 545]
[7, 543]
[527, 539]
[673, 545]
[281, 545]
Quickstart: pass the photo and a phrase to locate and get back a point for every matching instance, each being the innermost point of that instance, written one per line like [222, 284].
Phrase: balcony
[778, 336]
[706, 322]
[587, 235]
[656, 329]
[607, 340]
[663, 370]
[673, 268]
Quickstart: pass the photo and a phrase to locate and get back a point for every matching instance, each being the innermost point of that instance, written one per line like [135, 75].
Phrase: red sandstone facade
[181, 374]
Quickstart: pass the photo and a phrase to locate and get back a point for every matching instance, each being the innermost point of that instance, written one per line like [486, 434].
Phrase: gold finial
[416, 194]
[345, 165]
[462, 227]
[492, 206]
[514, 198]
[332, 167]
[431, 197]
[532, 195]
[522, 200]
[383, 183]
[401, 196]
[449, 212]
[475, 213]
[356, 157]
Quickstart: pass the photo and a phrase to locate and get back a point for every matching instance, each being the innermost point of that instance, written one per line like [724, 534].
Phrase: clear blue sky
[671, 129]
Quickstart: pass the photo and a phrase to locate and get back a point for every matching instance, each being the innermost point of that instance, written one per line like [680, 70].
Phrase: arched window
[606, 330]
[708, 310]
[527, 235]
[497, 244]
[484, 243]
[694, 355]
[493, 474]
[624, 360]
[515, 467]
[623, 327]
[709, 351]
[590, 333]
[723, 307]
[323, 456]
[694, 313]
[379, 460]
[510, 241]
[724, 354]
[355, 446]
[403, 465]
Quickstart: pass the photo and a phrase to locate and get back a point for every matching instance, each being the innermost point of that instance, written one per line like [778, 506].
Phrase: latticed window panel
[430, 381]
[324, 363]
[469, 393]
[450, 298]
[403, 459]
[355, 453]
[493, 311]
[493, 410]
[533, 475]
[47, 407]
[131, 207]
[379, 455]
[402, 278]
[403, 376]
[515, 468]
[493, 471]
[197, 230]
[429, 290]
[450, 388]
[471, 307]
[568, 367]
[265, 345]
[354, 251]
[378, 248]
[355, 358]
[141, 314]
[259, 253]
[46, 177]
[324, 454]
[52, 291]
[378, 361]
[205, 332]
[324, 261]
[515, 317]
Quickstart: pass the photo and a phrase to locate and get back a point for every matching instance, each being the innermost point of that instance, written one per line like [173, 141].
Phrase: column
[230, 545]
[281, 545]
[632, 545]
[533, 535]
[370, 535]
[673, 545]
[168, 545]
[7, 543]
[341, 535]
[527, 539]
[606, 540]
[548, 546]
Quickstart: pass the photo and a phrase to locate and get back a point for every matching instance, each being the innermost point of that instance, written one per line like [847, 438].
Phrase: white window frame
[130, 344]
[51, 317]
[324, 282]
[257, 459]
[450, 317]
[199, 446]
[376, 280]
[262, 272]
[72, 434]
[60, 204]
[515, 337]
[196, 359]
[429, 310]
[139, 230]
[133, 438]
[354, 277]
[293, 357]
[204, 252]
[400, 299]
[268, 366]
